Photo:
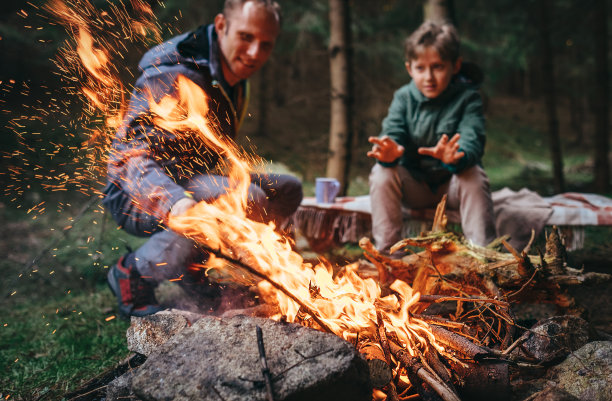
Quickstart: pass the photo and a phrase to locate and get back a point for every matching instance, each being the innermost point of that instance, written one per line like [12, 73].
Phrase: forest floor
[59, 327]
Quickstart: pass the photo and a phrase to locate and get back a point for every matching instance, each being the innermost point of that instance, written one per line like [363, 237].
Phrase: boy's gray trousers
[394, 187]
[167, 255]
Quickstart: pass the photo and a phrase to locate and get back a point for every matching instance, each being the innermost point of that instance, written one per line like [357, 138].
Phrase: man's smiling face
[246, 38]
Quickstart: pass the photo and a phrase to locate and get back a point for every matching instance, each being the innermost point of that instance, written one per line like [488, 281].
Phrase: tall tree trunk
[340, 129]
[439, 11]
[576, 104]
[602, 91]
[548, 85]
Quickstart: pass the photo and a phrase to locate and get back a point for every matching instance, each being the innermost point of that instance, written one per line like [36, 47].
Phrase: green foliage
[517, 156]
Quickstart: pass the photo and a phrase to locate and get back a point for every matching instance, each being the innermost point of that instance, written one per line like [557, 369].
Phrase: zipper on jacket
[231, 104]
[237, 119]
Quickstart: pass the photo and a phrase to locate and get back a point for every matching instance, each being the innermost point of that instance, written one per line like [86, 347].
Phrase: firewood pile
[463, 339]
[467, 294]
[453, 336]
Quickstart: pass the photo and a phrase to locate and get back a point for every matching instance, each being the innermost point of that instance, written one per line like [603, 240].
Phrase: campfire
[430, 325]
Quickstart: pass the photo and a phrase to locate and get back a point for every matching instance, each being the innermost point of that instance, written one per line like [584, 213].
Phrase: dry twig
[264, 364]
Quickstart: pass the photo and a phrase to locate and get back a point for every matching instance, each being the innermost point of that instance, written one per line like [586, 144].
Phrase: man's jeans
[166, 255]
[468, 191]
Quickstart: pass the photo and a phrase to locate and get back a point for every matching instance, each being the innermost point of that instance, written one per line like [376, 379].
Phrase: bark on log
[461, 344]
[418, 373]
[380, 372]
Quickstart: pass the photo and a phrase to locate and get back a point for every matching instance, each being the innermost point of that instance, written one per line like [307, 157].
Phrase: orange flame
[347, 304]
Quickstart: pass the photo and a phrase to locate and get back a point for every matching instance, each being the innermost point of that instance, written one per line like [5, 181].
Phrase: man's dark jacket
[148, 165]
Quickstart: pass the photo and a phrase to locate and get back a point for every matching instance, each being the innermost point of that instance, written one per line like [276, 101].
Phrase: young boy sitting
[431, 143]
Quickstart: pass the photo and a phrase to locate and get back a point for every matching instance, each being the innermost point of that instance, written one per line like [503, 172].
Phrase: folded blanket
[517, 214]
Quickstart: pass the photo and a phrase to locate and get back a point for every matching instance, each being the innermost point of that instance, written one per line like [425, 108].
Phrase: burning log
[461, 344]
[419, 374]
[384, 343]
[380, 371]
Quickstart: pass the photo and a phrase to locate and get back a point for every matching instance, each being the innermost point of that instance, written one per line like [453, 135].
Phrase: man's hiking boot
[135, 296]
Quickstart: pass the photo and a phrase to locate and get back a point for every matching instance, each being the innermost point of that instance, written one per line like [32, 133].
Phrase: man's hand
[385, 149]
[445, 150]
[181, 206]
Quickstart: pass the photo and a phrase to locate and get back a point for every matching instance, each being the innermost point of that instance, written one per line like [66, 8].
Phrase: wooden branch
[264, 364]
[586, 278]
[525, 267]
[276, 285]
[460, 343]
[384, 343]
[434, 362]
[444, 298]
[414, 365]
[370, 250]
[383, 274]
[380, 371]
[440, 220]
[431, 319]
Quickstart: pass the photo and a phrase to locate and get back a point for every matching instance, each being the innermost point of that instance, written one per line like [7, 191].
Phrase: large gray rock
[120, 389]
[550, 340]
[219, 359]
[552, 393]
[146, 334]
[586, 373]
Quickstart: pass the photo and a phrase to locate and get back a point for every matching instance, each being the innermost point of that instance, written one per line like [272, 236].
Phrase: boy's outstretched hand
[445, 150]
[385, 149]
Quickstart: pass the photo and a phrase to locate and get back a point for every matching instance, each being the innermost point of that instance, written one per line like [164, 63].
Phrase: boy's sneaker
[135, 296]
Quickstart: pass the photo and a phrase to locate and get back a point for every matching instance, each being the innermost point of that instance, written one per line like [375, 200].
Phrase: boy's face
[431, 74]
[246, 38]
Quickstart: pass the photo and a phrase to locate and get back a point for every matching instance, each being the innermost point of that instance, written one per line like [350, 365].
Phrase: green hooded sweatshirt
[415, 121]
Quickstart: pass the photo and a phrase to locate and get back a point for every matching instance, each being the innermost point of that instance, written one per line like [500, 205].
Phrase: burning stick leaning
[276, 285]
[414, 366]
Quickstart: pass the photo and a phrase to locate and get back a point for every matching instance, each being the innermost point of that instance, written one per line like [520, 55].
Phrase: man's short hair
[270, 5]
[442, 37]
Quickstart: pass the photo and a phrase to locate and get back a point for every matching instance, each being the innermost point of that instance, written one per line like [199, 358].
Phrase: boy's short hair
[271, 5]
[443, 37]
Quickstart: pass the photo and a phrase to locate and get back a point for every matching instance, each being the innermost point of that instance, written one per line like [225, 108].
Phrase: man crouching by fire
[154, 173]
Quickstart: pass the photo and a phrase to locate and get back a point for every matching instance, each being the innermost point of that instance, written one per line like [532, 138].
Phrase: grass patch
[54, 330]
[49, 346]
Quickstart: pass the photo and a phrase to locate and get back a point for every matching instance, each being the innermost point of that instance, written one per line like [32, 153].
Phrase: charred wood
[384, 344]
[380, 371]
[461, 344]
[424, 380]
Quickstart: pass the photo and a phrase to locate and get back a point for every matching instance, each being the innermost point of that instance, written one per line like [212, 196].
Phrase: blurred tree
[602, 98]
[548, 82]
[439, 11]
[340, 128]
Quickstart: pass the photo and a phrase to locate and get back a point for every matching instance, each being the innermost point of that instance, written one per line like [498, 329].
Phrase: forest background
[546, 89]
